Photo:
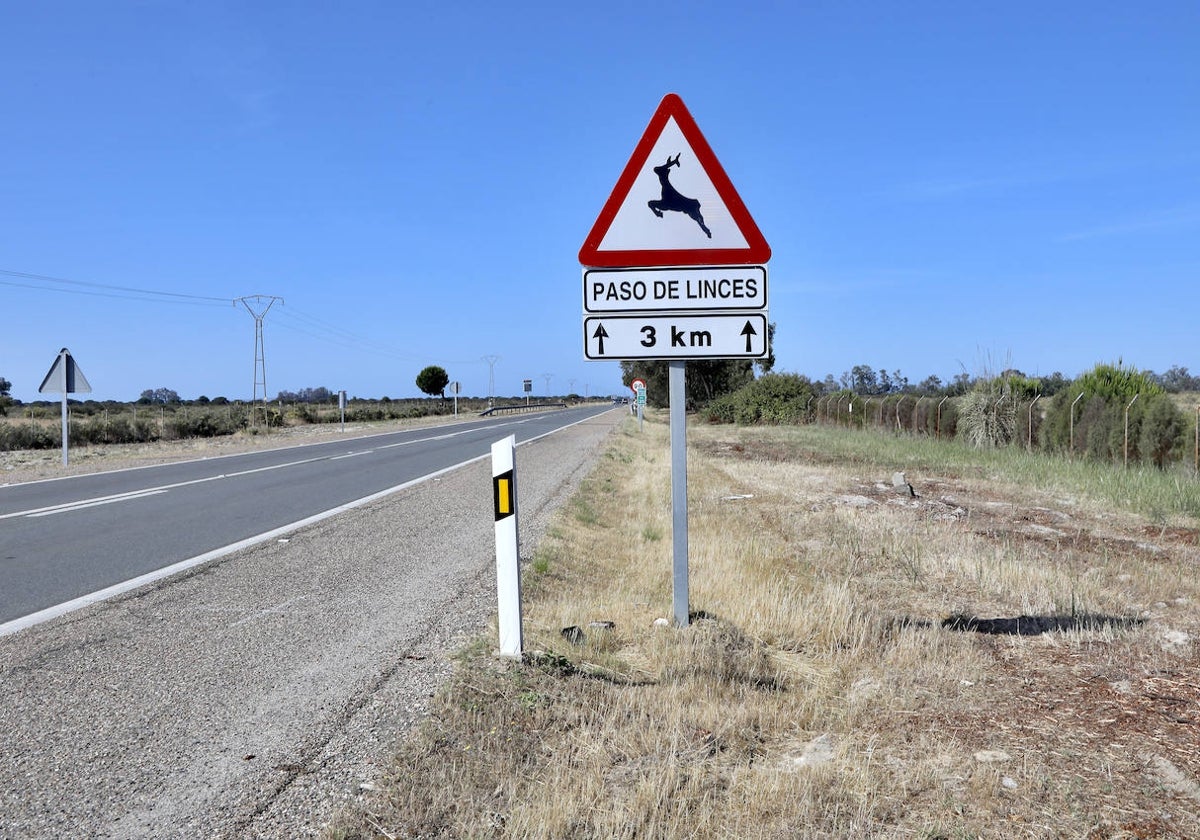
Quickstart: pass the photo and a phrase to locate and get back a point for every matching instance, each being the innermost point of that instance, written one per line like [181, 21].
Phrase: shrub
[987, 416]
[1097, 402]
[774, 399]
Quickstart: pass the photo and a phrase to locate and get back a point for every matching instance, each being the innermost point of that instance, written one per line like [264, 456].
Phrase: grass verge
[1010, 653]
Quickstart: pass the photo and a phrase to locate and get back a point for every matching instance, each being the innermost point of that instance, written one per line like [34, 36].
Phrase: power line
[174, 297]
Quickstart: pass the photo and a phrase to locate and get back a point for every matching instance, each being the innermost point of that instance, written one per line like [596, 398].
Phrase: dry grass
[984, 660]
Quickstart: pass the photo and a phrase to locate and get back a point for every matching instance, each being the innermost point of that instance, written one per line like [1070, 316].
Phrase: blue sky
[944, 186]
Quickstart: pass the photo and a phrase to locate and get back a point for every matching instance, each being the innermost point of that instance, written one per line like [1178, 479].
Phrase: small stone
[573, 634]
[602, 625]
[992, 756]
[856, 501]
[1175, 639]
[1009, 782]
[661, 622]
[816, 752]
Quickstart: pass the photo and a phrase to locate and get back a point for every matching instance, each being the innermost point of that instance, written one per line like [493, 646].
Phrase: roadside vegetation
[1007, 649]
[39, 426]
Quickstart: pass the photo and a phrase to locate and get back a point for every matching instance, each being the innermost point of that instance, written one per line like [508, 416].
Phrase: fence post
[1071, 444]
[1029, 445]
[938, 427]
[1131, 402]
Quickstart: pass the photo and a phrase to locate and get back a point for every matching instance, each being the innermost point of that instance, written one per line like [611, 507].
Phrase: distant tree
[433, 381]
[961, 384]
[704, 381]
[930, 385]
[861, 380]
[5, 387]
[202, 400]
[305, 395]
[1174, 380]
[1054, 383]
[886, 385]
[829, 385]
[158, 396]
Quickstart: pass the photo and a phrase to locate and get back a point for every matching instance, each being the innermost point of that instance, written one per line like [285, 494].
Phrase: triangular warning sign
[65, 377]
[673, 204]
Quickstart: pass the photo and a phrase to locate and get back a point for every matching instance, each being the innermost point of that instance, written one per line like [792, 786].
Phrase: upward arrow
[749, 331]
[600, 334]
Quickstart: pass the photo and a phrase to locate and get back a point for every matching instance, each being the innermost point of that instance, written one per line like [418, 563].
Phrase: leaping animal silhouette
[673, 200]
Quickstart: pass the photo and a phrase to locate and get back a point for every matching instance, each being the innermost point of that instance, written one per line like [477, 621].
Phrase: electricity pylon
[258, 311]
[491, 360]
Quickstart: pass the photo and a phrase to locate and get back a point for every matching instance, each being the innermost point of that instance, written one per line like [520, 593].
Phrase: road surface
[252, 695]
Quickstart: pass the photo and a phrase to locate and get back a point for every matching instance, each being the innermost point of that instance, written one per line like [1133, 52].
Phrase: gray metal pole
[679, 508]
[64, 425]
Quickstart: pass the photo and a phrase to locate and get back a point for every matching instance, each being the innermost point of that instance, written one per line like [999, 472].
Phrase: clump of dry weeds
[856, 665]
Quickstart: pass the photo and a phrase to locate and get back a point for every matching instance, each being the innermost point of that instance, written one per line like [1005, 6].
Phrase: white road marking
[73, 506]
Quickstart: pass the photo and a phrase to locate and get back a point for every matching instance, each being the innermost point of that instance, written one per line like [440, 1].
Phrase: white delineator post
[508, 560]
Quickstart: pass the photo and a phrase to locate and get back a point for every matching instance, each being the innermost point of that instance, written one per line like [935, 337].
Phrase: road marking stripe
[73, 506]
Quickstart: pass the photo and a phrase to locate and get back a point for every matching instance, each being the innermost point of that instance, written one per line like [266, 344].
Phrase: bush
[987, 416]
[1098, 401]
[774, 399]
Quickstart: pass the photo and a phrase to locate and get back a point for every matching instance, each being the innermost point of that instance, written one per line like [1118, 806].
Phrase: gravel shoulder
[253, 696]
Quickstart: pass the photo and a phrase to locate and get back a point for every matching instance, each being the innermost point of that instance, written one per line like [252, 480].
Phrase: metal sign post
[679, 507]
[342, 407]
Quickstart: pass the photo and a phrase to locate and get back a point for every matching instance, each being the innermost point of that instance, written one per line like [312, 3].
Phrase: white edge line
[41, 616]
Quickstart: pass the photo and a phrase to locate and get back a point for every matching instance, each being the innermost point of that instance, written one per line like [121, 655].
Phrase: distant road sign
[65, 377]
[637, 385]
[712, 336]
[692, 288]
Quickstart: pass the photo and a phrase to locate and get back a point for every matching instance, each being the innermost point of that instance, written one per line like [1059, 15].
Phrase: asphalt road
[251, 695]
[66, 539]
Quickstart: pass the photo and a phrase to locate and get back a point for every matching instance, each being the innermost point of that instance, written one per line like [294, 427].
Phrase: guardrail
[520, 408]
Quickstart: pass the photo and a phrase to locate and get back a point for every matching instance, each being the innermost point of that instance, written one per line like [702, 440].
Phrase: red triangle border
[757, 250]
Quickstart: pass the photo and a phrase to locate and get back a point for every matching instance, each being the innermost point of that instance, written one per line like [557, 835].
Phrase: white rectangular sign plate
[726, 335]
[723, 288]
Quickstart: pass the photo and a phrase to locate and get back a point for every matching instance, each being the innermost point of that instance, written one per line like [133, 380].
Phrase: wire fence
[1095, 428]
